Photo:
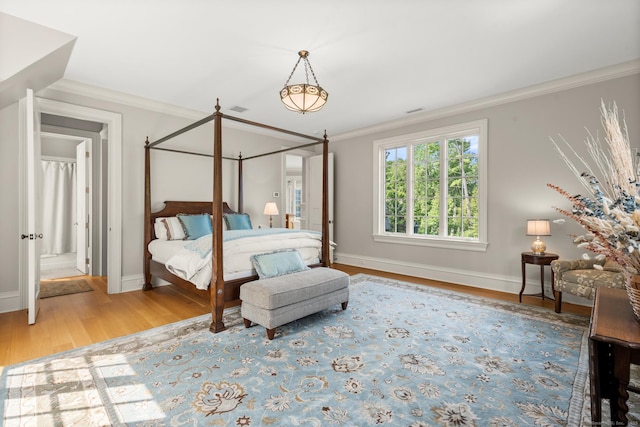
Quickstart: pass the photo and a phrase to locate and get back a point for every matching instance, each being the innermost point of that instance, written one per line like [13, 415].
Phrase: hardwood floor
[72, 321]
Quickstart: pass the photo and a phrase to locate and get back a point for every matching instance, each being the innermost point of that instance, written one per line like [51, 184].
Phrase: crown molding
[584, 79]
[578, 80]
[83, 89]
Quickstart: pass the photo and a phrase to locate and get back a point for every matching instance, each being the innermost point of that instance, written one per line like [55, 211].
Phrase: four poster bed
[222, 288]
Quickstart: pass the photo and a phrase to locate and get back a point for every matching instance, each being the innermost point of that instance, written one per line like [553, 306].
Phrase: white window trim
[379, 235]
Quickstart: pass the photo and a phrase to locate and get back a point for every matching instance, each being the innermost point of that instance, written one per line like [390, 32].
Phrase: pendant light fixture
[303, 97]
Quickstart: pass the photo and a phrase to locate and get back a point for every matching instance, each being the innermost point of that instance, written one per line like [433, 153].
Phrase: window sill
[464, 245]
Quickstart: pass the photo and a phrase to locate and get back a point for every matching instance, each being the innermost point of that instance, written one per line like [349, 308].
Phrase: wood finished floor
[72, 321]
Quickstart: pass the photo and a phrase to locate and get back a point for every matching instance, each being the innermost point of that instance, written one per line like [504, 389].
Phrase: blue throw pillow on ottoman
[278, 263]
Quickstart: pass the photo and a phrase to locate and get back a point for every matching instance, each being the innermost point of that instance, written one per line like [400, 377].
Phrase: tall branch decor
[609, 210]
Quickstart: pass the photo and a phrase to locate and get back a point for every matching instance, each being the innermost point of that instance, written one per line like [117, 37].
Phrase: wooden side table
[614, 344]
[541, 260]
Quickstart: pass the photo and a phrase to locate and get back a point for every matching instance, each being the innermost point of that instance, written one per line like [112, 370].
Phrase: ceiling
[377, 59]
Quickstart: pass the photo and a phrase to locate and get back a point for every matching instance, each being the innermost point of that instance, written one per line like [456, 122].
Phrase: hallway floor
[56, 266]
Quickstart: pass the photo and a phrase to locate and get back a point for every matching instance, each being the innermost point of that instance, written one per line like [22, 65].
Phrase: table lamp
[271, 209]
[538, 227]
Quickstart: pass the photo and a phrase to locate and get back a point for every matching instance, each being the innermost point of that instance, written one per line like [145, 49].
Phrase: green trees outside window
[422, 176]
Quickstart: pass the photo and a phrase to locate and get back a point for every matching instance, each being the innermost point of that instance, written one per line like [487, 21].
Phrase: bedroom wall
[521, 162]
[9, 191]
[175, 177]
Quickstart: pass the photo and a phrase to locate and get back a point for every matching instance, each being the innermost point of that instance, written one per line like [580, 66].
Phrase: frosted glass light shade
[303, 98]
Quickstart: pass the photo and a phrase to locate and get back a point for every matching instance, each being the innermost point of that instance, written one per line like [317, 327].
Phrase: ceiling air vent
[239, 109]
[415, 110]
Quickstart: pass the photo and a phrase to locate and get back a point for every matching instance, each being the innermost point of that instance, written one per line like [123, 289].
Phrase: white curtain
[58, 207]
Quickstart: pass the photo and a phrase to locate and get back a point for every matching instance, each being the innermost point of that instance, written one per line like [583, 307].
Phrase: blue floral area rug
[400, 355]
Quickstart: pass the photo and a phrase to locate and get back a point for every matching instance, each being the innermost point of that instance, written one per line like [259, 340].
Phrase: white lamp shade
[538, 227]
[271, 208]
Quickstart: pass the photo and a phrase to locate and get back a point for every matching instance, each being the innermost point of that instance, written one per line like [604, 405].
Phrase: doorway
[110, 221]
[293, 190]
[68, 187]
[111, 213]
[302, 184]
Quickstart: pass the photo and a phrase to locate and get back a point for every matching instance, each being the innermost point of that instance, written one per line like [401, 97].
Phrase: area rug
[54, 288]
[401, 355]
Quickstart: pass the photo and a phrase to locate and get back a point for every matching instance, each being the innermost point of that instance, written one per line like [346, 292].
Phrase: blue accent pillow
[237, 221]
[195, 226]
[278, 263]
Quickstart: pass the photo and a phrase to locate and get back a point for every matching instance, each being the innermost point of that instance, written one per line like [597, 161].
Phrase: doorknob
[31, 236]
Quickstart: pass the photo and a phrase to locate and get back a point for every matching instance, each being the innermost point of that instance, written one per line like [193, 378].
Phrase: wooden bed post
[147, 215]
[325, 202]
[220, 292]
[216, 288]
[240, 186]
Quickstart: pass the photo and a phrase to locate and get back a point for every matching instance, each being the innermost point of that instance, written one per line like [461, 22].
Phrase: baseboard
[9, 301]
[132, 283]
[475, 279]
[136, 281]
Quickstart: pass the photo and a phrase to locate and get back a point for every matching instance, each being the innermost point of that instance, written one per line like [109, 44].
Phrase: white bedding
[191, 259]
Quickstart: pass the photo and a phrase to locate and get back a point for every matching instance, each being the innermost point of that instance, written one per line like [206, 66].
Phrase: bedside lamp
[271, 209]
[538, 227]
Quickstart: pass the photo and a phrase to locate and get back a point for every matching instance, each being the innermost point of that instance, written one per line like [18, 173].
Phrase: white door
[34, 210]
[314, 195]
[82, 206]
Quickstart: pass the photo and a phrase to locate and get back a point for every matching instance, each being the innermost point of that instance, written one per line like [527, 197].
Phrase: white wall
[9, 225]
[521, 162]
[175, 177]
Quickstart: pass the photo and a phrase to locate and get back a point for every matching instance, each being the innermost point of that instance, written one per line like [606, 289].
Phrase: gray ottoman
[278, 300]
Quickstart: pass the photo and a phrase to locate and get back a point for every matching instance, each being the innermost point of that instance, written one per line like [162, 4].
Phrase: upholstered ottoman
[278, 300]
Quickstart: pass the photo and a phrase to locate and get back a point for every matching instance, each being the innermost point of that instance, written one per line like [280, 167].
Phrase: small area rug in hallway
[401, 355]
[54, 288]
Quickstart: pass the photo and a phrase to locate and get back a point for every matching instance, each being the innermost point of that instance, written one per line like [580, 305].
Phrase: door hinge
[86, 153]
[86, 261]
[87, 190]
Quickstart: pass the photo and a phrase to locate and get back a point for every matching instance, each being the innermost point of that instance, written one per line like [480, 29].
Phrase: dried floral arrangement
[609, 211]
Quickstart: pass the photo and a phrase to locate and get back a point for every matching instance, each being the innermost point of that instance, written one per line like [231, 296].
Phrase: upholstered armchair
[579, 277]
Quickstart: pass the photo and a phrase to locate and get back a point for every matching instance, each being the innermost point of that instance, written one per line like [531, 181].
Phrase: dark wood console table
[614, 344]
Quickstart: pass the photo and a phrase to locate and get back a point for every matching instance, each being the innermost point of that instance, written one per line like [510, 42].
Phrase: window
[431, 187]
[297, 201]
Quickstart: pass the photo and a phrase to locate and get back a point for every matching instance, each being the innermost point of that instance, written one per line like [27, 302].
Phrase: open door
[313, 176]
[82, 206]
[33, 235]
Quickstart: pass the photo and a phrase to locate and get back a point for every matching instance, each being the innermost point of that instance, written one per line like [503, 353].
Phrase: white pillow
[169, 228]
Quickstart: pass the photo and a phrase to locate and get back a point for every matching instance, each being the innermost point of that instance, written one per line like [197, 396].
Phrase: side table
[541, 260]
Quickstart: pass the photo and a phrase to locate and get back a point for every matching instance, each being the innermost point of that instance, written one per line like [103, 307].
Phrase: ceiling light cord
[307, 66]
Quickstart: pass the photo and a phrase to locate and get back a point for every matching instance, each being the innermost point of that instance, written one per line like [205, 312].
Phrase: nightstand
[541, 260]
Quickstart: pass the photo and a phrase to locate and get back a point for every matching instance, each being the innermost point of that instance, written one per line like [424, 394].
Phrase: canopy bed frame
[221, 293]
